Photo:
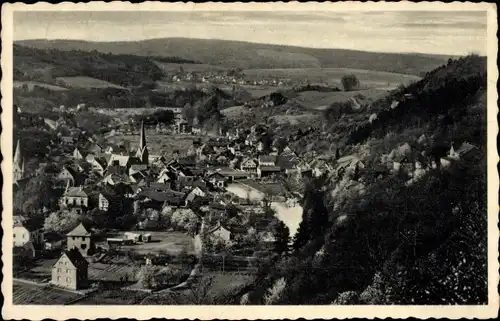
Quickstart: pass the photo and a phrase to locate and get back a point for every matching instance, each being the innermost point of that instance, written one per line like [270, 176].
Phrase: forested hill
[416, 235]
[246, 55]
[45, 65]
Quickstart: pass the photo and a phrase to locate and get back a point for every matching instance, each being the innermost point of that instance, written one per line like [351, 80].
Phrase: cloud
[393, 31]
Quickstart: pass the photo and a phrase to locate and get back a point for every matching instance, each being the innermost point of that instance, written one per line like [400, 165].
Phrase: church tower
[142, 152]
[18, 163]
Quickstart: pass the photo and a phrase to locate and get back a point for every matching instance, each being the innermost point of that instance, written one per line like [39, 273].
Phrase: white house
[26, 231]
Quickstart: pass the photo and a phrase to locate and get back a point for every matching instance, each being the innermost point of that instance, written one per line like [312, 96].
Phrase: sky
[436, 32]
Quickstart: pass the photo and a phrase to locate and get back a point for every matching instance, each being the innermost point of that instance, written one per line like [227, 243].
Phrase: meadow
[332, 76]
[321, 100]
[86, 82]
[32, 84]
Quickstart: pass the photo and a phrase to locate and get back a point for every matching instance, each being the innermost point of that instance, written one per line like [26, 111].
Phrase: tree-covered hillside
[415, 233]
[246, 55]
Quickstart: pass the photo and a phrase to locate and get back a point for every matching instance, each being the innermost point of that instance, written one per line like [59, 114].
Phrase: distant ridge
[247, 55]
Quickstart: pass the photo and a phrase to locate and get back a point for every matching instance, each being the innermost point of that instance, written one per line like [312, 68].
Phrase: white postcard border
[32, 312]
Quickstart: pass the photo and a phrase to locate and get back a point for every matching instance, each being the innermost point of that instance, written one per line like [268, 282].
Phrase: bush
[350, 82]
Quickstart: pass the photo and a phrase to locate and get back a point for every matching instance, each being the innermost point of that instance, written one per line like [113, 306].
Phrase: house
[75, 196]
[455, 155]
[96, 149]
[67, 175]
[249, 165]
[108, 200]
[402, 162]
[136, 168]
[288, 164]
[465, 149]
[81, 239]
[226, 232]
[53, 241]
[221, 232]
[67, 140]
[259, 146]
[165, 176]
[265, 171]
[232, 174]
[114, 179]
[26, 251]
[77, 154]
[27, 231]
[98, 164]
[158, 187]
[217, 179]
[70, 271]
[159, 199]
[267, 160]
[217, 209]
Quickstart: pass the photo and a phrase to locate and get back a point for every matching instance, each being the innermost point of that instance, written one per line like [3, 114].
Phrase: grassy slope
[252, 55]
[367, 78]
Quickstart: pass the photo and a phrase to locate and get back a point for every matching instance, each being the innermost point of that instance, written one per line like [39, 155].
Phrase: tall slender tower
[18, 163]
[142, 152]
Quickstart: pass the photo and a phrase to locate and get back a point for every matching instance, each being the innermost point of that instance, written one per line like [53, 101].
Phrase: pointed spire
[142, 142]
[142, 152]
[18, 158]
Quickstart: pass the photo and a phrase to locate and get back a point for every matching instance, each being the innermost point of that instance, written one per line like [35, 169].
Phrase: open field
[321, 100]
[31, 85]
[85, 82]
[225, 282]
[158, 144]
[40, 272]
[24, 293]
[235, 111]
[292, 119]
[171, 242]
[367, 78]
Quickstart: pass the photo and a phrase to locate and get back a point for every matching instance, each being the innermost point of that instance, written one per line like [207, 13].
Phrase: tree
[33, 196]
[147, 277]
[282, 237]
[350, 82]
[61, 221]
[274, 293]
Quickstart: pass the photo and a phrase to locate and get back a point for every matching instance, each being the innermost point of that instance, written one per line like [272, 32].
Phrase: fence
[234, 264]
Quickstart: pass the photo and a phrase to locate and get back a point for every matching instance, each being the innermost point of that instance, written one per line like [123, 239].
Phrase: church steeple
[142, 152]
[18, 163]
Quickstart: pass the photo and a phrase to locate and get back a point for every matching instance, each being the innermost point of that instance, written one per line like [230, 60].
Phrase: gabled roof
[165, 196]
[270, 169]
[465, 148]
[75, 192]
[159, 186]
[76, 258]
[28, 224]
[70, 170]
[123, 160]
[267, 158]
[138, 167]
[80, 230]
